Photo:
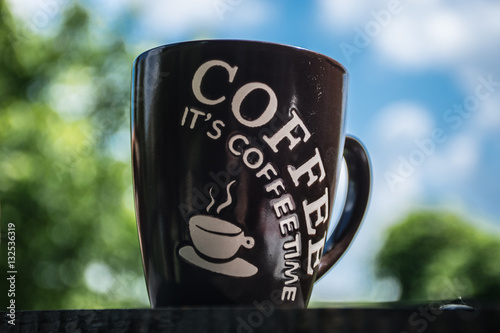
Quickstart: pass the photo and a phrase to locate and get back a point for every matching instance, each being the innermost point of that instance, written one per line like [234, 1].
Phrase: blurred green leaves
[64, 101]
[437, 255]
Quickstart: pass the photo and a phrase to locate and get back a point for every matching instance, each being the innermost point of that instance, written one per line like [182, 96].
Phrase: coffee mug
[236, 152]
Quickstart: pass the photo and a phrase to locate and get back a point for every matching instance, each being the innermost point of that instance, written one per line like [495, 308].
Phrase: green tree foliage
[64, 103]
[441, 256]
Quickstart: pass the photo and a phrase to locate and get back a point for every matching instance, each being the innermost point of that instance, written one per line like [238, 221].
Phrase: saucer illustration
[237, 267]
[220, 240]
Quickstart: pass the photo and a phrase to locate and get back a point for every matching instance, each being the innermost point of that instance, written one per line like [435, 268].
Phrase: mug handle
[358, 193]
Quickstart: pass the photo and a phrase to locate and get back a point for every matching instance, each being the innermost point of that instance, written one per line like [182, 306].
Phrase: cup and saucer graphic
[218, 240]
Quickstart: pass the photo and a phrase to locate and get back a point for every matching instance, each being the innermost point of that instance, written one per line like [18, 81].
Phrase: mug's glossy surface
[236, 151]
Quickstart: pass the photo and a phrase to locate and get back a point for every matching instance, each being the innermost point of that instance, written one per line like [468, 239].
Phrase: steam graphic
[224, 204]
[216, 242]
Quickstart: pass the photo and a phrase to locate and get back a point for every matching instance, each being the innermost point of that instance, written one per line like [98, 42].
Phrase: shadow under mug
[236, 151]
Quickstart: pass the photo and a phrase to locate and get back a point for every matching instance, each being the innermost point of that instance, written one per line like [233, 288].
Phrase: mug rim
[333, 62]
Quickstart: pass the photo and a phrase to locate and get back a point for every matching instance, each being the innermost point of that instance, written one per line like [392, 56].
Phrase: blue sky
[417, 59]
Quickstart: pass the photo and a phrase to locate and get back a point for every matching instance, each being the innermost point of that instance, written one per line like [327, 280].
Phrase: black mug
[236, 151]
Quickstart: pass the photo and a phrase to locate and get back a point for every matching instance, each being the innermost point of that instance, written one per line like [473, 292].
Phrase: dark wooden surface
[410, 318]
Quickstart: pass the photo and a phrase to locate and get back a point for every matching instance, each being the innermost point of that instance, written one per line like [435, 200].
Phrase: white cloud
[487, 118]
[417, 39]
[406, 146]
[403, 121]
[175, 18]
[463, 154]
[455, 163]
[421, 33]
[249, 14]
[447, 33]
[441, 33]
[339, 14]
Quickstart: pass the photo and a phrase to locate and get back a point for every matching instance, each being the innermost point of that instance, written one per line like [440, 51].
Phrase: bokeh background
[424, 97]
